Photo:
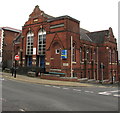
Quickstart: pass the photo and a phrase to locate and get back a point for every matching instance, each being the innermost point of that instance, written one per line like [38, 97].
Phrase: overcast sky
[94, 15]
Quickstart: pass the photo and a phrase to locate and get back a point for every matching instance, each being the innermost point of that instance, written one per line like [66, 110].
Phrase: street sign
[17, 57]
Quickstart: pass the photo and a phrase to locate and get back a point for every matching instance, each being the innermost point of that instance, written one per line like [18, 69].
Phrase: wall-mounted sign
[47, 63]
[65, 64]
[63, 54]
[34, 51]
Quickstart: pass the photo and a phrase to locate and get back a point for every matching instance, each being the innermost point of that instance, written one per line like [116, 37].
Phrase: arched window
[29, 46]
[87, 54]
[80, 54]
[41, 42]
[110, 56]
[113, 56]
[74, 53]
[94, 54]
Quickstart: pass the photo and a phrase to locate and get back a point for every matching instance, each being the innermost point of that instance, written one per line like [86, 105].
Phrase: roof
[61, 17]
[95, 37]
[98, 36]
[83, 35]
[11, 29]
[17, 39]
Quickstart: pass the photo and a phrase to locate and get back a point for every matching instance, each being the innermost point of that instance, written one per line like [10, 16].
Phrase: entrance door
[42, 61]
[29, 60]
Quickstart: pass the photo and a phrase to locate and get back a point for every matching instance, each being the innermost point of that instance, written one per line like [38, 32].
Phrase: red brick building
[58, 45]
[9, 48]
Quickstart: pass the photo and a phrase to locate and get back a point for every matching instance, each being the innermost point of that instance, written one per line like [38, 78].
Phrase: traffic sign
[17, 57]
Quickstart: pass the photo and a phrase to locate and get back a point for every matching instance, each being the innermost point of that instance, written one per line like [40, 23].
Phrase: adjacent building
[8, 46]
[59, 45]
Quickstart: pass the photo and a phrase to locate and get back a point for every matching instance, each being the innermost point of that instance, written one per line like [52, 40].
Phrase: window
[110, 56]
[81, 54]
[87, 54]
[57, 51]
[41, 42]
[74, 54]
[29, 46]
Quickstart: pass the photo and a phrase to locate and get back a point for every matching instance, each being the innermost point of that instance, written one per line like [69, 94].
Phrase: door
[42, 61]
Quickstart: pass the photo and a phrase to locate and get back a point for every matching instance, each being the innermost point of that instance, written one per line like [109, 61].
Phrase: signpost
[16, 59]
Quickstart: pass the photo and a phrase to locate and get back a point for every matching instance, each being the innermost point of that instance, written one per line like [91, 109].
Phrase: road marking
[47, 85]
[116, 95]
[89, 91]
[56, 87]
[76, 90]
[110, 93]
[2, 99]
[2, 79]
[114, 91]
[104, 93]
[65, 88]
[22, 110]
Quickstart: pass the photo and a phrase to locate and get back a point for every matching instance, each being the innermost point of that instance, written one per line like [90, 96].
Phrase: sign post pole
[16, 59]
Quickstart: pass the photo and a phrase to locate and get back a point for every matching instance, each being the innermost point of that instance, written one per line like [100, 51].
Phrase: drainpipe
[71, 56]
[97, 64]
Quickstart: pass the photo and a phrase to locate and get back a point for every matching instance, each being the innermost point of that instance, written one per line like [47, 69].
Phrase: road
[22, 96]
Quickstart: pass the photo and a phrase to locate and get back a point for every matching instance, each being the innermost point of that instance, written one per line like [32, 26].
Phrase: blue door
[42, 61]
[29, 61]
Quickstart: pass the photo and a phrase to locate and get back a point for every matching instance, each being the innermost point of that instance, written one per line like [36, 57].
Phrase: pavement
[37, 80]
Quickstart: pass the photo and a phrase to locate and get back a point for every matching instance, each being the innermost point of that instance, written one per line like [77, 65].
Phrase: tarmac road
[25, 96]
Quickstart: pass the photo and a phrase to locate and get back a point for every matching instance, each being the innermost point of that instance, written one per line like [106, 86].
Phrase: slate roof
[12, 29]
[61, 17]
[98, 37]
[83, 35]
[95, 37]
[19, 36]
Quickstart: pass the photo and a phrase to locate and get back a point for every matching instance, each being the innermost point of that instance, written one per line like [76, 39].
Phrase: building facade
[58, 45]
[8, 46]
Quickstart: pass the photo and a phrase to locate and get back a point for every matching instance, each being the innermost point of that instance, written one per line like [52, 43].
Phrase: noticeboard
[64, 54]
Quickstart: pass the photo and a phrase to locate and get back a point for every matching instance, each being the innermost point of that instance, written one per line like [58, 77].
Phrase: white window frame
[29, 43]
[41, 42]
